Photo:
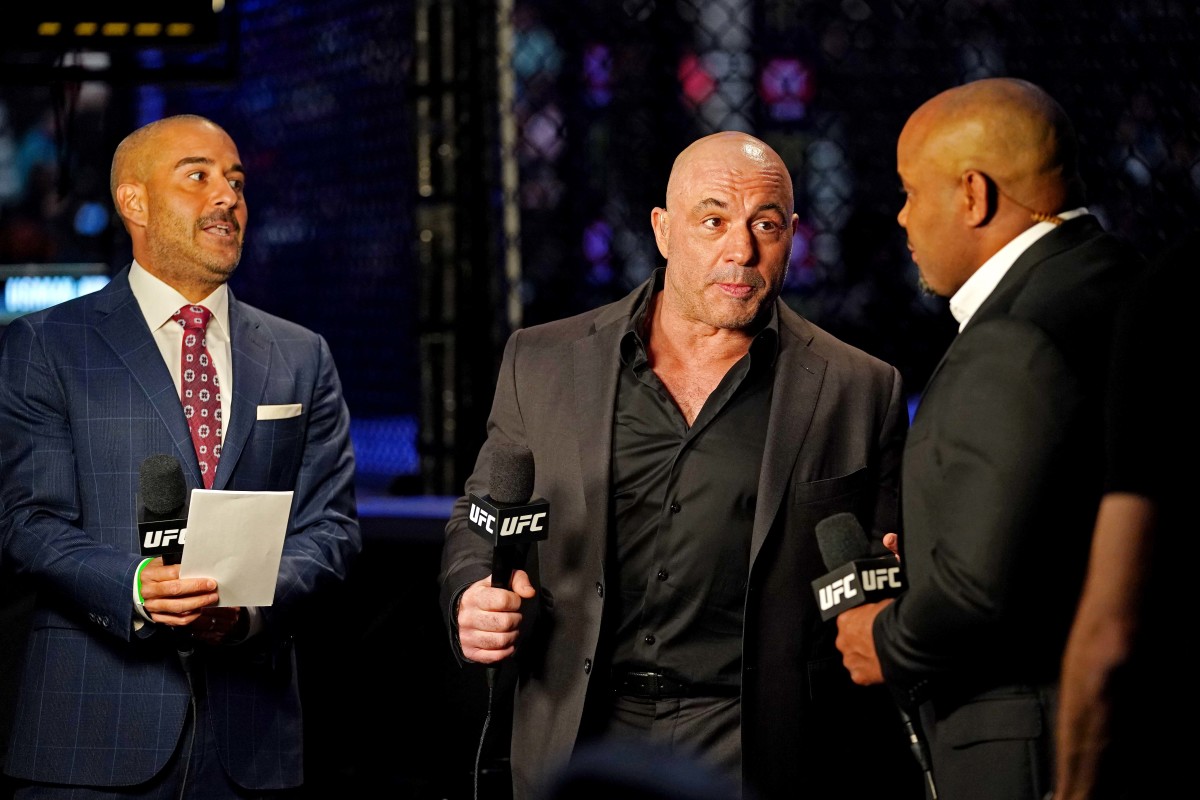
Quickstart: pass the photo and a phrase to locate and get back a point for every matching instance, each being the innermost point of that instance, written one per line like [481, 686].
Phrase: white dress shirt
[970, 296]
[158, 302]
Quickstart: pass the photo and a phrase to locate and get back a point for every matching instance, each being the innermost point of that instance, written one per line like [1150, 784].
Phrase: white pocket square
[280, 412]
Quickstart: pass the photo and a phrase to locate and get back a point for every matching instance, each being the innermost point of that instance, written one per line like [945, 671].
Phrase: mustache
[747, 277]
[219, 217]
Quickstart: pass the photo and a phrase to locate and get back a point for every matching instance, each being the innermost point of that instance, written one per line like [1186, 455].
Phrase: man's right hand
[171, 600]
[488, 618]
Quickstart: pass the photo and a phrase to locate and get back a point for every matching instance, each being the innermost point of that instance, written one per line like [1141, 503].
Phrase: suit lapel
[251, 364]
[596, 375]
[1066, 236]
[123, 328]
[799, 374]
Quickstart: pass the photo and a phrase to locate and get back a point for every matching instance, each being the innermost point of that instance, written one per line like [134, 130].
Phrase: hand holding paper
[236, 538]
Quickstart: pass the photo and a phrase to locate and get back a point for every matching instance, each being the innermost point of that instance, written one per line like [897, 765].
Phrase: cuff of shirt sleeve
[256, 622]
[253, 625]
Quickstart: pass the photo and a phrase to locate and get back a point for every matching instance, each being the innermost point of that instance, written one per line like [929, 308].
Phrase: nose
[225, 195]
[740, 245]
[902, 217]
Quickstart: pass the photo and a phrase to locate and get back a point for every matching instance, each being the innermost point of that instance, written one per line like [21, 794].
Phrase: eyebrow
[772, 207]
[188, 160]
[710, 202]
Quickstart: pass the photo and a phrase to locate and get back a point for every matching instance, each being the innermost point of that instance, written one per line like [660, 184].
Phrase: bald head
[137, 154]
[178, 184]
[980, 164]
[1008, 129]
[728, 150]
[726, 233]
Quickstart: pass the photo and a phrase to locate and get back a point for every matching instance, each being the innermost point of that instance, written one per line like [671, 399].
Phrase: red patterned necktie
[199, 393]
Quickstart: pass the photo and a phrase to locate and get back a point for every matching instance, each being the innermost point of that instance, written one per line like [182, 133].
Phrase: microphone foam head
[161, 484]
[511, 474]
[842, 539]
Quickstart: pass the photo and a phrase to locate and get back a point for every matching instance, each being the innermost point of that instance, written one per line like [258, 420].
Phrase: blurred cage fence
[608, 92]
[604, 94]
[427, 175]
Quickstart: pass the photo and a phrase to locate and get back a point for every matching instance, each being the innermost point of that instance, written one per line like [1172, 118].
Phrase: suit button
[649, 638]
[600, 590]
[675, 507]
[587, 666]
[662, 575]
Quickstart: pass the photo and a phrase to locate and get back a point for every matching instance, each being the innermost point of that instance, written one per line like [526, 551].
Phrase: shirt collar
[633, 347]
[970, 296]
[158, 300]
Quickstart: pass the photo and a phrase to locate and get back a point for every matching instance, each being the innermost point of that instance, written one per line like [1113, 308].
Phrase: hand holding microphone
[855, 577]
[162, 533]
[510, 521]
[856, 589]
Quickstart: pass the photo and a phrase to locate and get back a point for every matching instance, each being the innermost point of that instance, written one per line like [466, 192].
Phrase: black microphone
[162, 528]
[506, 516]
[856, 578]
[162, 508]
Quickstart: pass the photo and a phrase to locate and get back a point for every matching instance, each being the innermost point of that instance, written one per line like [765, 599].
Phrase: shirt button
[675, 508]
[662, 575]
[649, 638]
[587, 666]
[599, 590]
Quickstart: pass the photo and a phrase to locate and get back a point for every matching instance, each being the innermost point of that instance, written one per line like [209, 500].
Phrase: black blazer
[834, 439]
[1001, 478]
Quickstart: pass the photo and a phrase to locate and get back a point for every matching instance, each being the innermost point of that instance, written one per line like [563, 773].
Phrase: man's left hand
[215, 623]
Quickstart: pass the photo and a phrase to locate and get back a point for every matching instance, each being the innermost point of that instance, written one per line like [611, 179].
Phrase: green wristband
[137, 580]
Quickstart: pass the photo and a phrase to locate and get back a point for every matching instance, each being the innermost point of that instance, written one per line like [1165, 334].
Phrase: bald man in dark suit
[1003, 465]
[689, 438]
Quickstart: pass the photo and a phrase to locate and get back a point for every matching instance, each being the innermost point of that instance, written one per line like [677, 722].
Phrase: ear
[660, 221]
[979, 198]
[131, 203]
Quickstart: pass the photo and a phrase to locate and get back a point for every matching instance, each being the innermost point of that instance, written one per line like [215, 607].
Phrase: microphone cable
[920, 751]
[492, 671]
[187, 764]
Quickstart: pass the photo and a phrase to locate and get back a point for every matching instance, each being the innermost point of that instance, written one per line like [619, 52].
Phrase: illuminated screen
[25, 288]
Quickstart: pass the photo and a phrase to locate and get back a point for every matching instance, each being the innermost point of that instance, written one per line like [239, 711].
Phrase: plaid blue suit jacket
[84, 398]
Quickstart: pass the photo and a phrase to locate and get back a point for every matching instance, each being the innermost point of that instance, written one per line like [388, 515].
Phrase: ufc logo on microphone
[483, 519]
[836, 592]
[164, 538]
[508, 522]
[515, 525]
[881, 578]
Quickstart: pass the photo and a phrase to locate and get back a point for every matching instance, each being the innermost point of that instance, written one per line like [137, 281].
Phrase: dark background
[376, 136]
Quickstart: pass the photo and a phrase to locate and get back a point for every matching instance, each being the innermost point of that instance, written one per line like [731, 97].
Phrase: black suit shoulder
[826, 345]
[1069, 284]
[569, 329]
[1073, 273]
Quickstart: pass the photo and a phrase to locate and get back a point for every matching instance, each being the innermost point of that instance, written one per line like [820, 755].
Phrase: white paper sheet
[237, 539]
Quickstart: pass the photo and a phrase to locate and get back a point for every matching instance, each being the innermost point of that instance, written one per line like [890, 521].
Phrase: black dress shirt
[684, 500]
